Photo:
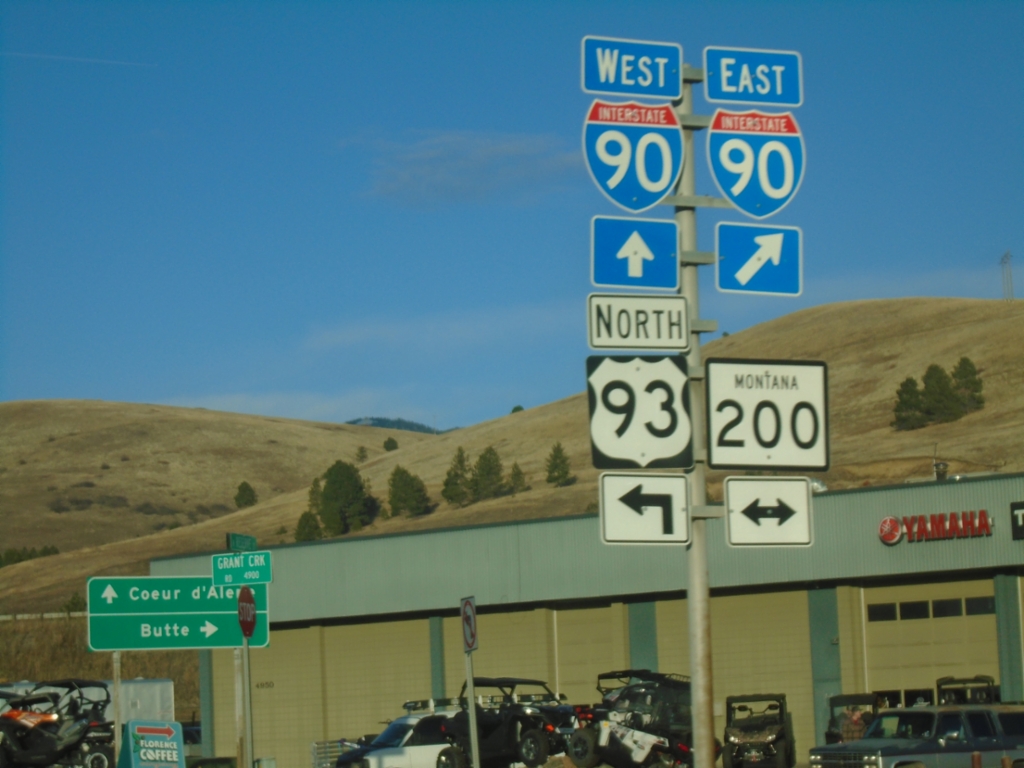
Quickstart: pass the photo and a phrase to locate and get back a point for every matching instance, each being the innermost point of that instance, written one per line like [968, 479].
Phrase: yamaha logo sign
[917, 528]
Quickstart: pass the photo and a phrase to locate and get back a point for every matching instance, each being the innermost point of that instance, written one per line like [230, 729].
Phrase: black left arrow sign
[756, 513]
[636, 500]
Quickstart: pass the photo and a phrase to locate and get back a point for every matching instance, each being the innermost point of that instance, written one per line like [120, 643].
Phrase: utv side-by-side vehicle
[758, 729]
[520, 720]
[643, 719]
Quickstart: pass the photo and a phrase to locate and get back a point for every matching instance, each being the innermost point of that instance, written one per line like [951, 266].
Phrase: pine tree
[361, 454]
[345, 504]
[558, 467]
[967, 384]
[390, 444]
[516, 479]
[939, 401]
[486, 481]
[455, 490]
[407, 493]
[907, 411]
[246, 496]
[308, 527]
[315, 497]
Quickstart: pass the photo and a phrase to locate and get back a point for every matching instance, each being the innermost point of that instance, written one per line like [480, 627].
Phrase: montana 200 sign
[129, 613]
[634, 152]
[757, 159]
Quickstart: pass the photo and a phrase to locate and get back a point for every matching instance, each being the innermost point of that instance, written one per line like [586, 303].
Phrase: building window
[919, 697]
[889, 699]
[918, 609]
[882, 612]
[978, 606]
[944, 608]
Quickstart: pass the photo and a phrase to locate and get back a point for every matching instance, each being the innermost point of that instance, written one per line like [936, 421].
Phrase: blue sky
[331, 210]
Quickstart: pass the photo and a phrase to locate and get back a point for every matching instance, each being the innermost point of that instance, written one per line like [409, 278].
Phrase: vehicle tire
[533, 748]
[583, 750]
[452, 757]
[782, 754]
[726, 756]
[99, 757]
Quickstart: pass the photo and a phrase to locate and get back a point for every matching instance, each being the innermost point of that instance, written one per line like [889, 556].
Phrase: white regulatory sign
[767, 414]
[644, 509]
[467, 614]
[639, 412]
[768, 511]
[623, 321]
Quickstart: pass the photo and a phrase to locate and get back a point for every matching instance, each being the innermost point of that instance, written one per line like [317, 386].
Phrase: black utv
[519, 721]
[758, 729]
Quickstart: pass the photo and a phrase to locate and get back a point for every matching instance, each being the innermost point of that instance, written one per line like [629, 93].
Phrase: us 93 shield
[639, 412]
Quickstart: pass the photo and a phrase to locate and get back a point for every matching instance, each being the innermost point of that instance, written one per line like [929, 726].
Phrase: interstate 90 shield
[757, 159]
[634, 152]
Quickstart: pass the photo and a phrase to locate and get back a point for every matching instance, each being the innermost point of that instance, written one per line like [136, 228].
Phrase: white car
[411, 741]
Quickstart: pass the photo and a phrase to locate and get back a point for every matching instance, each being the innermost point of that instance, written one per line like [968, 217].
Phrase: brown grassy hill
[870, 346]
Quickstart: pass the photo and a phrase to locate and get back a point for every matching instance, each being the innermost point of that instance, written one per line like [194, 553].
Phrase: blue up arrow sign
[753, 258]
[634, 253]
[632, 67]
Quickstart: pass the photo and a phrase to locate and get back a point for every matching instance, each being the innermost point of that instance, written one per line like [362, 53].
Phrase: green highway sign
[239, 542]
[241, 568]
[128, 613]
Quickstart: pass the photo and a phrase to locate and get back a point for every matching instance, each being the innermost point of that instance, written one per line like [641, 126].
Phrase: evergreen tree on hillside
[390, 444]
[361, 454]
[456, 483]
[939, 401]
[558, 467]
[516, 479]
[345, 504]
[407, 493]
[967, 384]
[908, 413]
[308, 527]
[487, 479]
[246, 496]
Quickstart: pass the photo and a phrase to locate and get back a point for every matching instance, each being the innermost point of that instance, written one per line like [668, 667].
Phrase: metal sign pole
[247, 685]
[239, 712]
[474, 738]
[697, 592]
[117, 705]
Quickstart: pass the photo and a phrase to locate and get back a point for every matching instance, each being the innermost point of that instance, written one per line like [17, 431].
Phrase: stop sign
[246, 611]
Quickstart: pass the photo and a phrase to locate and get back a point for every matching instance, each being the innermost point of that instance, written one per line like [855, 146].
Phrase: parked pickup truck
[931, 737]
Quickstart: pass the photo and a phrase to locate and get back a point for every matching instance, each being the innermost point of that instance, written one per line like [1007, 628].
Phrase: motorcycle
[56, 727]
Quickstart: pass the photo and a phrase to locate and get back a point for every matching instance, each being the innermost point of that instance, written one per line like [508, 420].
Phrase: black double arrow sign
[636, 500]
[756, 513]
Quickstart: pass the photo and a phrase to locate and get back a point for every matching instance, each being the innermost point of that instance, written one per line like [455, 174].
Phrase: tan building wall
[912, 654]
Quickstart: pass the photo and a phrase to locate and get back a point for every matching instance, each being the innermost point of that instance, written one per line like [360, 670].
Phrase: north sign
[644, 508]
[621, 321]
[767, 414]
[634, 253]
[639, 412]
[242, 568]
[634, 152]
[758, 259]
[753, 76]
[631, 67]
[768, 511]
[757, 159]
[165, 613]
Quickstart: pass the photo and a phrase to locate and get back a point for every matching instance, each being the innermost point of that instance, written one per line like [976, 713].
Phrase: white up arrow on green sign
[240, 568]
[129, 613]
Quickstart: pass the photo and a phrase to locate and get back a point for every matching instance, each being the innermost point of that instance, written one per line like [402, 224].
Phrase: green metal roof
[563, 559]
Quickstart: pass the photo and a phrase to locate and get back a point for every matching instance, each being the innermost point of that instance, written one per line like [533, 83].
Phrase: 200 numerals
[775, 435]
[627, 408]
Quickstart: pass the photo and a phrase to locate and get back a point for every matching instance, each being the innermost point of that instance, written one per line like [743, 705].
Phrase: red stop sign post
[247, 623]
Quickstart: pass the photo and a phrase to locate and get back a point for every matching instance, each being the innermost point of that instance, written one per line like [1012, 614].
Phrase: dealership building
[902, 585]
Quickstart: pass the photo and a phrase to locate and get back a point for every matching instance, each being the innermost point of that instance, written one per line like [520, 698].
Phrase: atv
[643, 719]
[512, 726]
[758, 729]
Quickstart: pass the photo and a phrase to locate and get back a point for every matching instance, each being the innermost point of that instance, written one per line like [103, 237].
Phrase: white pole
[864, 638]
[249, 752]
[698, 597]
[239, 712]
[554, 622]
[474, 740]
[117, 705]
